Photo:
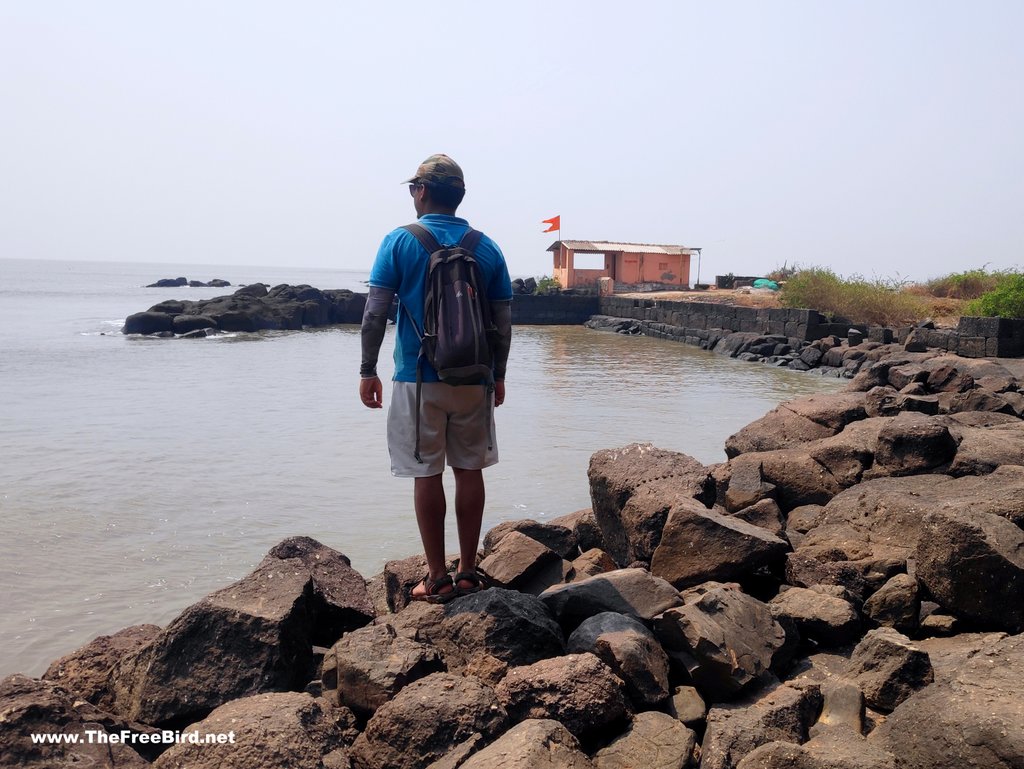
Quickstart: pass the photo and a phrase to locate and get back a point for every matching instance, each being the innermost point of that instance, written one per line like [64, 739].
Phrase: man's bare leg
[469, 512]
[430, 504]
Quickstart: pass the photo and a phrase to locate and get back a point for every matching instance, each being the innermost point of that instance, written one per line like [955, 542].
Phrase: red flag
[555, 222]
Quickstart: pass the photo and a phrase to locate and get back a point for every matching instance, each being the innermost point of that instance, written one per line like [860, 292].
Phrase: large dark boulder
[631, 650]
[264, 731]
[799, 478]
[972, 563]
[531, 744]
[912, 444]
[653, 740]
[834, 749]
[584, 528]
[87, 671]
[148, 323]
[488, 632]
[781, 713]
[632, 490]
[426, 720]
[726, 638]
[868, 532]
[29, 706]
[253, 636]
[888, 667]
[578, 690]
[522, 563]
[897, 604]
[698, 545]
[554, 536]
[590, 564]
[826, 619]
[984, 448]
[183, 324]
[797, 422]
[739, 484]
[256, 290]
[634, 592]
[369, 666]
[169, 283]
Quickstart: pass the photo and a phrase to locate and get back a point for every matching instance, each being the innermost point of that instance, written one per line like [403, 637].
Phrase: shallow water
[140, 474]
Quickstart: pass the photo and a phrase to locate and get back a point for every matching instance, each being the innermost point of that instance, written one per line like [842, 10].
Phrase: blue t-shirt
[401, 265]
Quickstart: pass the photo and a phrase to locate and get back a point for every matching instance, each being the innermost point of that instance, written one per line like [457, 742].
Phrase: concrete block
[975, 327]
[802, 317]
[972, 347]
[881, 335]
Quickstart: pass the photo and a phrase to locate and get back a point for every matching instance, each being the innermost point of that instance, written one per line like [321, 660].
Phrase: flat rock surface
[653, 740]
[975, 720]
[532, 744]
[266, 731]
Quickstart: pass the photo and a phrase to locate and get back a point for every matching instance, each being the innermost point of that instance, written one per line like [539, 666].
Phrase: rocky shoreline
[845, 591]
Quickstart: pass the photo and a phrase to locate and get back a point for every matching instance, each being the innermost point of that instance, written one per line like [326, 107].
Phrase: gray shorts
[455, 423]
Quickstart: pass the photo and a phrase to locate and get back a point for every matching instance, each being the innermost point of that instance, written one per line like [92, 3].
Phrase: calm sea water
[138, 475]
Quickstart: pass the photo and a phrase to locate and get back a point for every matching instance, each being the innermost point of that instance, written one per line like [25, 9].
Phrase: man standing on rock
[454, 422]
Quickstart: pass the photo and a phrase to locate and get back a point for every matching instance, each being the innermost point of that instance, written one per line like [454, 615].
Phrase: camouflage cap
[439, 169]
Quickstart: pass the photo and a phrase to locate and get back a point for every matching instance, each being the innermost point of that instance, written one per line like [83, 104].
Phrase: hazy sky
[885, 138]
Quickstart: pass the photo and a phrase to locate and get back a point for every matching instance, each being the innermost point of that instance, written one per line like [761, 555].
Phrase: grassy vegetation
[857, 299]
[963, 285]
[895, 302]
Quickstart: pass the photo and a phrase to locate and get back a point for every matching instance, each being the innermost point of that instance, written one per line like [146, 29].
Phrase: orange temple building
[580, 263]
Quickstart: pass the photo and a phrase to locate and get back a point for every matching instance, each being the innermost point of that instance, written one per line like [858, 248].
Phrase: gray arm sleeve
[501, 314]
[375, 320]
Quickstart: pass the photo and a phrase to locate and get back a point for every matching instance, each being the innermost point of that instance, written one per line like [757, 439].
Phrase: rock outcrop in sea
[845, 591]
[179, 282]
[256, 307]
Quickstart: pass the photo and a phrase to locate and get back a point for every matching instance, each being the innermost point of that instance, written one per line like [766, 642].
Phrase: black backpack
[458, 332]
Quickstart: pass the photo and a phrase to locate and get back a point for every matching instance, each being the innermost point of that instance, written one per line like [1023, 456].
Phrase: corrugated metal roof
[602, 246]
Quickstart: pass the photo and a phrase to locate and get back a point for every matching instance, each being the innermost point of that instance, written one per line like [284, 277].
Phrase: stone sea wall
[702, 324]
[845, 591]
[553, 309]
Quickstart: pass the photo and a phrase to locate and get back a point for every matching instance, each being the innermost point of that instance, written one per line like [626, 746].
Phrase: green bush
[856, 299]
[548, 285]
[1006, 300]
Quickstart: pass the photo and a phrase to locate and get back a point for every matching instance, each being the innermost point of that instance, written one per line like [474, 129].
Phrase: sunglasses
[415, 186]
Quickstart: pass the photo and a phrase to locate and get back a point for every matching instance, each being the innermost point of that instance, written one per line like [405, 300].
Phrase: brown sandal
[432, 590]
[468, 576]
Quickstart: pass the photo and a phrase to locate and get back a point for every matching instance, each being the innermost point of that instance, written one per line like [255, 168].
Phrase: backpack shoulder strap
[471, 240]
[424, 236]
